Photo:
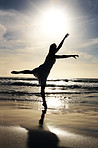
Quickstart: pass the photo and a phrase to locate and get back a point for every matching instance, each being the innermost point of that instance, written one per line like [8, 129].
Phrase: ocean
[65, 95]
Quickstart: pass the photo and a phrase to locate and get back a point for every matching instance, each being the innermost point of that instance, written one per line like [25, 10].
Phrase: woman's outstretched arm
[65, 56]
[61, 43]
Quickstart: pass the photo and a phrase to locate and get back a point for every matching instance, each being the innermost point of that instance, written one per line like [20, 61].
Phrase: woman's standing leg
[43, 95]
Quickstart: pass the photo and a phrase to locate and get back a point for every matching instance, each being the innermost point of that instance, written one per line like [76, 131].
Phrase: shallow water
[66, 95]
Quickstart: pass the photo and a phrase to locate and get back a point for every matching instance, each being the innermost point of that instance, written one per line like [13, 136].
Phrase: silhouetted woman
[42, 72]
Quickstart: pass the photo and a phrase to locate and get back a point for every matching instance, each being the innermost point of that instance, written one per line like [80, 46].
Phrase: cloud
[21, 33]
[89, 7]
[90, 42]
[12, 30]
[23, 44]
[88, 51]
[2, 30]
[14, 4]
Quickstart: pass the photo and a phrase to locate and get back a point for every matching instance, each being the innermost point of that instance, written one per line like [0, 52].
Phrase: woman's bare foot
[15, 72]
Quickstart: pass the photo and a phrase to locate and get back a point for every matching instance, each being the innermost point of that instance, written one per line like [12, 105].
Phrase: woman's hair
[53, 48]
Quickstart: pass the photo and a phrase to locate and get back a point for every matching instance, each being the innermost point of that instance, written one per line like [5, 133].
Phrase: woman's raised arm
[61, 43]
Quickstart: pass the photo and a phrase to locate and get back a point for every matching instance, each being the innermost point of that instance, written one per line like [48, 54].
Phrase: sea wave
[63, 84]
[80, 91]
[24, 93]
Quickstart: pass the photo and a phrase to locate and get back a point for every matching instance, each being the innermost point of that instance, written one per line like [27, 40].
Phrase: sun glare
[55, 21]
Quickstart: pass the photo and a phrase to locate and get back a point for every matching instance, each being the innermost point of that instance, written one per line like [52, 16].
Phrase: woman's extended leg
[43, 96]
[23, 72]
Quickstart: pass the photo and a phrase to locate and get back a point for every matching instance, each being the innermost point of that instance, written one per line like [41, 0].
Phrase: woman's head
[53, 48]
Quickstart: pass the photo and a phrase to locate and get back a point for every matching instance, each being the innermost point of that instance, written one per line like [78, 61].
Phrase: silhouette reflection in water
[42, 72]
[41, 121]
[41, 139]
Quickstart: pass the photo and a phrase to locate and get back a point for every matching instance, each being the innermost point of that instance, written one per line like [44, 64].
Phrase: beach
[20, 128]
[70, 121]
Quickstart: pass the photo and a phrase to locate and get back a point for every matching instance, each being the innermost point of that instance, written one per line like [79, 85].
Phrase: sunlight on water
[54, 102]
[54, 89]
[66, 105]
[73, 139]
[15, 129]
[58, 102]
[57, 82]
[59, 132]
[18, 129]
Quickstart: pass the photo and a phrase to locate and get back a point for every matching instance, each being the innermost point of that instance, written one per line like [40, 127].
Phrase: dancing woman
[42, 72]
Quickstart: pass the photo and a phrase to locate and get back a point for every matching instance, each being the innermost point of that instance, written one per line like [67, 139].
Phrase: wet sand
[20, 128]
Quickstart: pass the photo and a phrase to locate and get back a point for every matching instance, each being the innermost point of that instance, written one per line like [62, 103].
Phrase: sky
[29, 27]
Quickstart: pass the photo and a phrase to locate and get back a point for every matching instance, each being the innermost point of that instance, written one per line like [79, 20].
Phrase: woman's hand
[66, 35]
[75, 56]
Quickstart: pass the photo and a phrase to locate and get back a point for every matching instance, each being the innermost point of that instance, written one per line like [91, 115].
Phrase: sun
[55, 21]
